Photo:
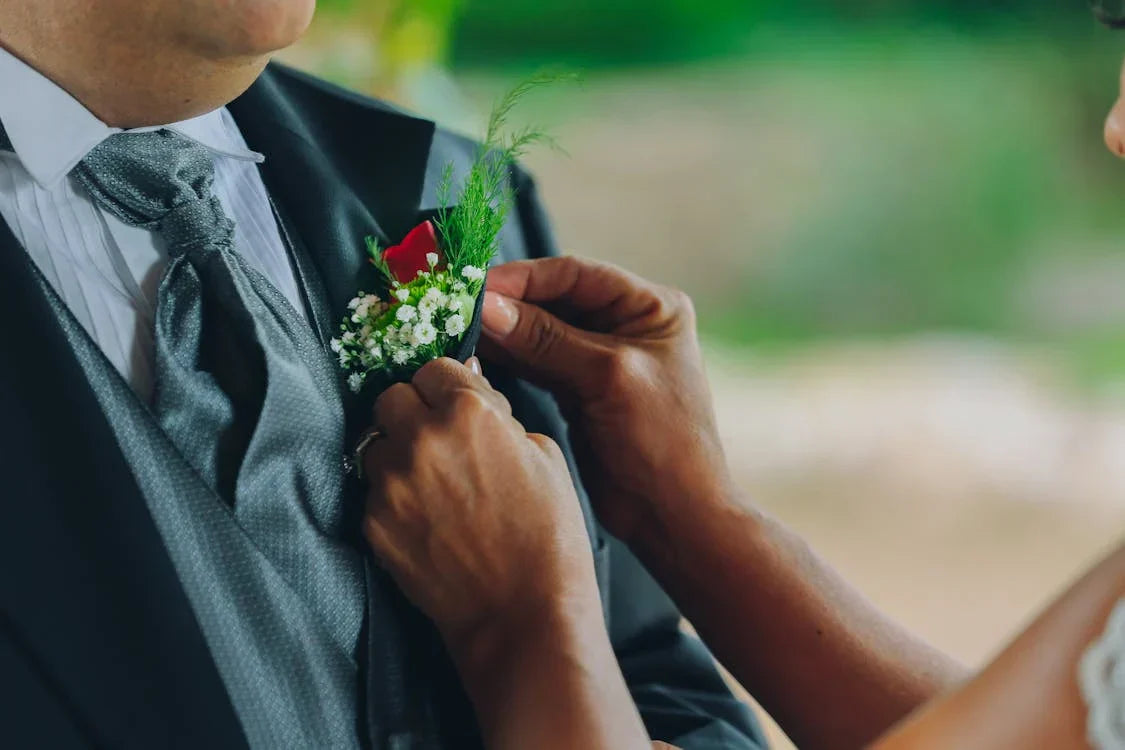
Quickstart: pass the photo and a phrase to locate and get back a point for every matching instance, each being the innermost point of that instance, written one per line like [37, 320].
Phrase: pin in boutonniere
[434, 277]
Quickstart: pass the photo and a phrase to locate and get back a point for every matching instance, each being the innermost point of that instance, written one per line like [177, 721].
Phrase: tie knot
[161, 181]
[196, 225]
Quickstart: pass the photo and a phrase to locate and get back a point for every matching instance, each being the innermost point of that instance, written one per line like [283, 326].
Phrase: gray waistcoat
[290, 684]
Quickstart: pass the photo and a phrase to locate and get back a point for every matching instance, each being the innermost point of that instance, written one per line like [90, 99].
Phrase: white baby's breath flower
[375, 351]
[455, 325]
[345, 358]
[459, 286]
[433, 293]
[366, 302]
[354, 303]
[406, 313]
[472, 273]
[423, 334]
[348, 338]
[355, 382]
[432, 259]
[426, 306]
[403, 294]
[335, 346]
[401, 356]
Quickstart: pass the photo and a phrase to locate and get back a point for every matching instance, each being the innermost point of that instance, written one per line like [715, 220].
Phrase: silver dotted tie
[242, 386]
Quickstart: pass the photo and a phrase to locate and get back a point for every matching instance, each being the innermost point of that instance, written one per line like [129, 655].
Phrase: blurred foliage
[593, 31]
[607, 31]
[966, 175]
[409, 35]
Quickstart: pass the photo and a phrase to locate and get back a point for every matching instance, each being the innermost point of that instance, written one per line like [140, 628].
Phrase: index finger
[582, 285]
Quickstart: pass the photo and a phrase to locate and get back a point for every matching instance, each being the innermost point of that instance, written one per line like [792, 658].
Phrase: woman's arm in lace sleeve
[1030, 697]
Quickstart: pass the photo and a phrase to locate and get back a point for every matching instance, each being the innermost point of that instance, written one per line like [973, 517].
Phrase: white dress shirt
[106, 271]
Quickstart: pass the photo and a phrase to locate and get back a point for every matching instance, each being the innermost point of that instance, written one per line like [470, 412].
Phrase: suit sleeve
[672, 676]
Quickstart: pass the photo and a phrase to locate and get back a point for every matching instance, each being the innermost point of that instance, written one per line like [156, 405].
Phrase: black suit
[98, 644]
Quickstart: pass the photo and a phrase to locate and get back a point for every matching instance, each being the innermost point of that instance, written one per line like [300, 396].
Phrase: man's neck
[125, 79]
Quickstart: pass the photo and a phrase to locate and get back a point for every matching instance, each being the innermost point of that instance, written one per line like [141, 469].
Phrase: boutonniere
[431, 281]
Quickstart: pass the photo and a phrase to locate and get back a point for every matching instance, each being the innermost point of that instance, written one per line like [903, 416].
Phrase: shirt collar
[51, 131]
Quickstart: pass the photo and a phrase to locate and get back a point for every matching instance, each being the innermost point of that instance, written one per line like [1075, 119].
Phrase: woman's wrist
[676, 533]
[483, 647]
[547, 678]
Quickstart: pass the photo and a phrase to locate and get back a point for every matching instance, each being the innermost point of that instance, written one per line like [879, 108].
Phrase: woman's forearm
[828, 666]
[1029, 696]
[549, 680]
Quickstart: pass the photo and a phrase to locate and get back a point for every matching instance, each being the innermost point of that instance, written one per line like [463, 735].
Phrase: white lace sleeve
[1101, 676]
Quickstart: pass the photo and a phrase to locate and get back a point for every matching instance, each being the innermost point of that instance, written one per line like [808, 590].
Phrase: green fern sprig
[469, 234]
[375, 254]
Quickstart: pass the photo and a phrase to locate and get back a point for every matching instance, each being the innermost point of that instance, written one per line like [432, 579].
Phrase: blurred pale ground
[906, 247]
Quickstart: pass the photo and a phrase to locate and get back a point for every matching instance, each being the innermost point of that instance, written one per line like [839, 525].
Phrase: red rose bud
[405, 260]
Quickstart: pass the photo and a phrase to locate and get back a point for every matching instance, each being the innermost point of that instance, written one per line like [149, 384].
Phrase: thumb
[540, 346]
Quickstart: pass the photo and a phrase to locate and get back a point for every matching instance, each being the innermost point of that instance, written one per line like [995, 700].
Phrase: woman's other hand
[622, 357]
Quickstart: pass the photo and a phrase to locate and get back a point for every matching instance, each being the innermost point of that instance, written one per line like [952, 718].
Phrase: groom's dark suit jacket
[98, 644]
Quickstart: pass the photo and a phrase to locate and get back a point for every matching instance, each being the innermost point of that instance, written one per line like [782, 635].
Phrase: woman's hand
[622, 357]
[477, 520]
[479, 524]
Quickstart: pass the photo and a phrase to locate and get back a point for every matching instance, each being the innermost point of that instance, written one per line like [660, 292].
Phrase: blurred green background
[933, 165]
[903, 234]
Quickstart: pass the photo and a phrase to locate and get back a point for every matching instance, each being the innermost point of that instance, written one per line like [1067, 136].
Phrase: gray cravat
[243, 388]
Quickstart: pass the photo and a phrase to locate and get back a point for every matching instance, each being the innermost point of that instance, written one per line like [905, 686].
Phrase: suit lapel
[343, 167]
[89, 595]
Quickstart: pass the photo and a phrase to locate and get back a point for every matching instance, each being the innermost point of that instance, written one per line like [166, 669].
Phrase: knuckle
[681, 304]
[623, 368]
[569, 265]
[501, 403]
[464, 411]
[469, 403]
[395, 393]
[672, 306]
[544, 335]
[546, 444]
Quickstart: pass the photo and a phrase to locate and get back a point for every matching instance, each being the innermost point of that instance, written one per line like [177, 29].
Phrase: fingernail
[474, 365]
[499, 316]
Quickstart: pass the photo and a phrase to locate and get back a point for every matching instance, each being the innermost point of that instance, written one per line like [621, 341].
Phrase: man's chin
[256, 28]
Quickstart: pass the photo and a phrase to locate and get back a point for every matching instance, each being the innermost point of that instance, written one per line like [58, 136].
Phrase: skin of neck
[136, 63]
